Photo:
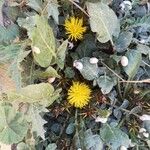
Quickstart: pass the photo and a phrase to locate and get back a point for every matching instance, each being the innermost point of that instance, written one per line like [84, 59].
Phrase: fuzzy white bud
[124, 61]
[123, 148]
[36, 50]
[142, 130]
[93, 60]
[100, 119]
[145, 134]
[51, 80]
[145, 117]
[78, 65]
[126, 4]
[142, 41]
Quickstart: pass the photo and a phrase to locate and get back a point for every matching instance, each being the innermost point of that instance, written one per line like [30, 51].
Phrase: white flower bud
[124, 61]
[146, 134]
[93, 60]
[78, 65]
[51, 80]
[128, 3]
[123, 148]
[142, 130]
[142, 41]
[100, 119]
[36, 50]
[145, 117]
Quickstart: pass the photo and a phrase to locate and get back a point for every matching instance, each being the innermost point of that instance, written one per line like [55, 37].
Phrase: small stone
[78, 65]
[145, 117]
[36, 50]
[93, 60]
[123, 148]
[51, 80]
[142, 130]
[100, 119]
[124, 61]
[145, 134]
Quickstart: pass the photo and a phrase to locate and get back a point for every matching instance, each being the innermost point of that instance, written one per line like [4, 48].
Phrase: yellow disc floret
[79, 95]
[74, 28]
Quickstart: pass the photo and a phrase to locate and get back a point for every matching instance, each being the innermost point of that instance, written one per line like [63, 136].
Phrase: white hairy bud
[36, 50]
[123, 148]
[145, 134]
[100, 119]
[145, 117]
[142, 130]
[93, 60]
[51, 80]
[124, 61]
[78, 65]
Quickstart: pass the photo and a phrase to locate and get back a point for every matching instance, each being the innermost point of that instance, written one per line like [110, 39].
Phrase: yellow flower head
[79, 95]
[74, 28]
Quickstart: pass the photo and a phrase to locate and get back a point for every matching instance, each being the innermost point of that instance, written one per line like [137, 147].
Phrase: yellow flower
[74, 28]
[79, 95]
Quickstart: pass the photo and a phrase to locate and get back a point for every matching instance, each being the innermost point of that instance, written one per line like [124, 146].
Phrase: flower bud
[51, 80]
[123, 148]
[78, 65]
[142, 130]
[100, 119]
[146, 134]
[93, 60]
[36, 50]
[145, 117]
[124, 61]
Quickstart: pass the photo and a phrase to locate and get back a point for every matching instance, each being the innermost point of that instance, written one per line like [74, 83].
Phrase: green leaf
[15, 72]
[86, 47]
[51, 146]
[49, 72]
[52, 9]
[92, 141]
[35, 4]
[61, 54]
[110, 135]
[134, 58]
[69, 72]
[8, 34]
[27, 23]
[103, 21]
[9, 52]
[106, 84]
[23, 146]
[13, 54]
[144, 49]
[89, 71]
[33, 93]
[1, 15]
[13, 127]
[42, 93]
[37, 120]
[123, 41]
[43, 38]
